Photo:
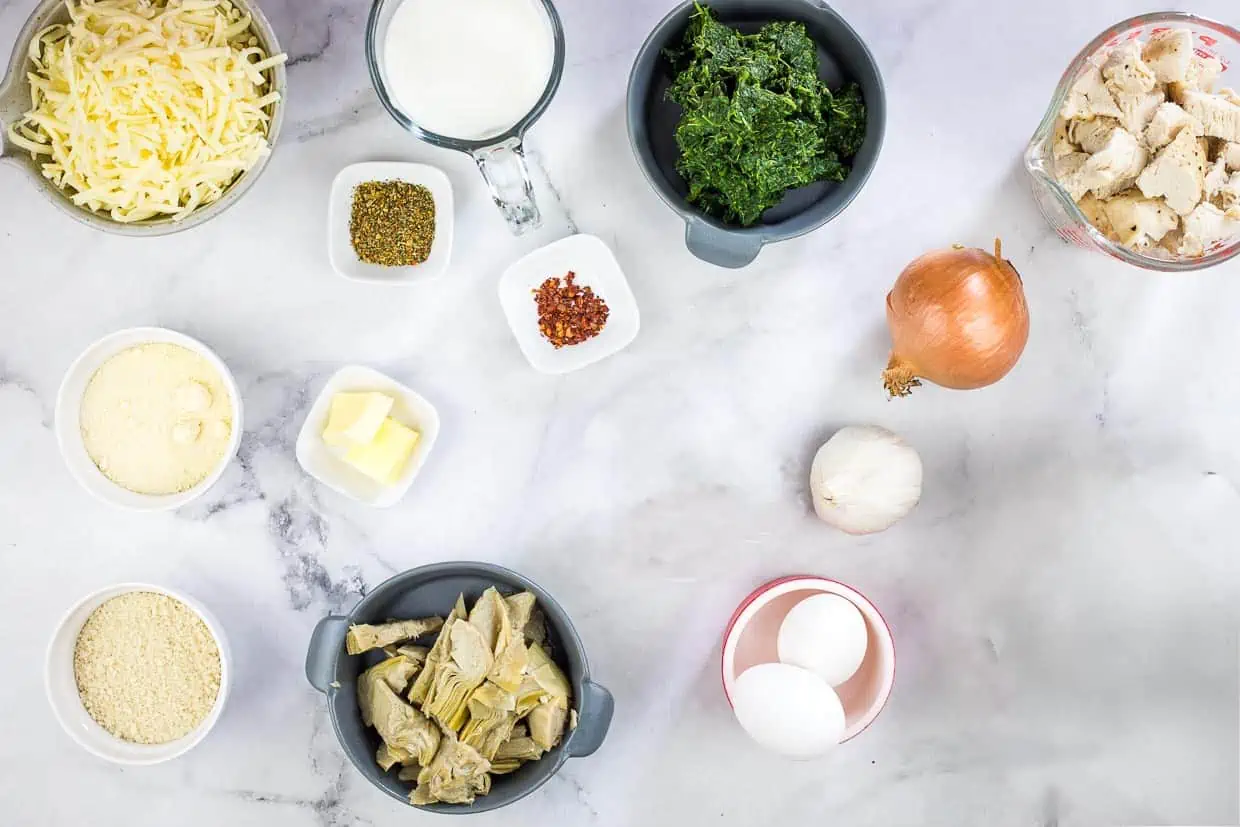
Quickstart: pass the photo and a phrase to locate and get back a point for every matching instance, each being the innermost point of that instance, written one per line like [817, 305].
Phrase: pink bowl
[753, 631]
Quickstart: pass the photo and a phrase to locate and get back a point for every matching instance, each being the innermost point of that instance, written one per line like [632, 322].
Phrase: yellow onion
[957, 318]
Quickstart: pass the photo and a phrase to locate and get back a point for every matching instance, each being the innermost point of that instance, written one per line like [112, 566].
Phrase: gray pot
[15, 101]
[433, 590]
[652, 123]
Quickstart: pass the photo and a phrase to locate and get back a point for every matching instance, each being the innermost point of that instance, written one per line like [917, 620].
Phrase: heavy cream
[468, 69]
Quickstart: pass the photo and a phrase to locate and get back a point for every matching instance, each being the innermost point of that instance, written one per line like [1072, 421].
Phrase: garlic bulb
[864, 479]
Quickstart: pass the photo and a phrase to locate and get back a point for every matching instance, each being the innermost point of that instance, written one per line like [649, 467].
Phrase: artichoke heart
[401, 726]
[456, 677]
[490, 618]
[439, 652]
[396, 672]
[549, 676]
[547, 724]
[364, 637]
[417, 654]
[455, 776]
[388, 756]
[492, 715]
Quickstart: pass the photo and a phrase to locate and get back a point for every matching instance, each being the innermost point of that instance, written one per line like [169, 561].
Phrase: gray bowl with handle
[432, 590]
[652, 123]
[15, 101]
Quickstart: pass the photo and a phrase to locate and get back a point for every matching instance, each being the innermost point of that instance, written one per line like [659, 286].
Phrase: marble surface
[1064, 600]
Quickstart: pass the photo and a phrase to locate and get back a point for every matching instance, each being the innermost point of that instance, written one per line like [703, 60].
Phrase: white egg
[788, 710]
[825, 634]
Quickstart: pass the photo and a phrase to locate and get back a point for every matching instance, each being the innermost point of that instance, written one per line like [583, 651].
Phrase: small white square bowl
[326, 463]
[340, 207]
[596, 267]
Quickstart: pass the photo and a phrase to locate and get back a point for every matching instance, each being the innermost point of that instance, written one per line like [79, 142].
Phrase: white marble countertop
[1064, 600]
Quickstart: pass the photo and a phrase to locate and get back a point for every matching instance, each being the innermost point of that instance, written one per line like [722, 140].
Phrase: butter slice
[355, 418]
[384, 458]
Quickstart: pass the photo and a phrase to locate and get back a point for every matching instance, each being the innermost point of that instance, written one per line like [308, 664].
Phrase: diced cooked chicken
[1138, 109]
[1229, 95]
[1228, 196]
[1090, 98]
[1219, 117]
[1169, 118]
[1061, 144]
[1068, 164]
[1202, 72]
[1095, 211]
[1126, 72]
[1216, 177]
[1205, 226]
[1111, 169]
[1230, 153]
[1177, 173]
[1091, 136]
[1139, 221]
[1169, 54]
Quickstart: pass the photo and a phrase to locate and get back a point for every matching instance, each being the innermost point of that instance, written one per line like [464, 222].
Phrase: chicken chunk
[1230, 153]
[1204, 227]
[1061, 144]
[1216, 177]
[1111, 169]
[1219, 117]
[1168, 120]
[1095, 211]
[1138, 109]
[1177, 173]
[1091, 136]
[1090, 98]
[1228, 196]
[1169, 54]
[1126, 73]
[1202, 72]
[1138, 221]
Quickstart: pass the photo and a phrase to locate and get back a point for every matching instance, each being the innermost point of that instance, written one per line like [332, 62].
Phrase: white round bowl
[69, 411]
[62, 692]
[752, 633]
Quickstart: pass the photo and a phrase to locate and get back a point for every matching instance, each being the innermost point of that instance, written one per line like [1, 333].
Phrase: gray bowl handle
[594, 719]
[718, 247]
[325, 643]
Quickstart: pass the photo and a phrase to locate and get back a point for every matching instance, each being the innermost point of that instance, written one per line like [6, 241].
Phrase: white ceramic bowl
[751, 638]
[69, 409]
[326, 465]
[595, 266]
[67, 706]
[340, 207]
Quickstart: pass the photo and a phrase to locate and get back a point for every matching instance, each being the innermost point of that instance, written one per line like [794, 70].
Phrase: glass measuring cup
[500, 158]
[1210, 39]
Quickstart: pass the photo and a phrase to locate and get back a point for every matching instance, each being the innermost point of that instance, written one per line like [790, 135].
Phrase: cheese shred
[144, 109]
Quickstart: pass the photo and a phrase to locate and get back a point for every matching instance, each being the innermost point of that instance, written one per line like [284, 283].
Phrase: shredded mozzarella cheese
[146, 108]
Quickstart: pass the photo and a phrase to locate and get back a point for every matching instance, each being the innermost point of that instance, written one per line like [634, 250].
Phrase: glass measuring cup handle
[508, 178]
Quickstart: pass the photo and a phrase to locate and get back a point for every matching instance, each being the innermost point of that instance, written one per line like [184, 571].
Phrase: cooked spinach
[757, 120]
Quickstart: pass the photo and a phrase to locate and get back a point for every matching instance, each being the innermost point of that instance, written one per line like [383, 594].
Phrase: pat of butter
[384, 458]
[355, 418]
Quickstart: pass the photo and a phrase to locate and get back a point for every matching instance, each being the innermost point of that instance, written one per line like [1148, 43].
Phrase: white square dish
[327, 465]
[340, 207]
[596, 267]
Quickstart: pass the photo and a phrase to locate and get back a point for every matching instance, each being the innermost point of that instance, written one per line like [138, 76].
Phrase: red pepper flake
[568, 314]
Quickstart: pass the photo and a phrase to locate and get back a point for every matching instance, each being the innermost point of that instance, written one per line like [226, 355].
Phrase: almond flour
[147, 668]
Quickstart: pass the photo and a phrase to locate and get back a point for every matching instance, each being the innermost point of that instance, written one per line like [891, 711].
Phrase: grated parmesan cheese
[147, 668]
[146, 108]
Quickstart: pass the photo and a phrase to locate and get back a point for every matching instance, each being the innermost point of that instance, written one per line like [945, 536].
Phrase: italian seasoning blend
[569, 314]
[392, 223]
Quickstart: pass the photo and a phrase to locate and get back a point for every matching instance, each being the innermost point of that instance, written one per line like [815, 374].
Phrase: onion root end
[899, 378]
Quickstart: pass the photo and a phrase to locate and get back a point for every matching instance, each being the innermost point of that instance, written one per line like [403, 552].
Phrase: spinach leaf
[757, 120]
